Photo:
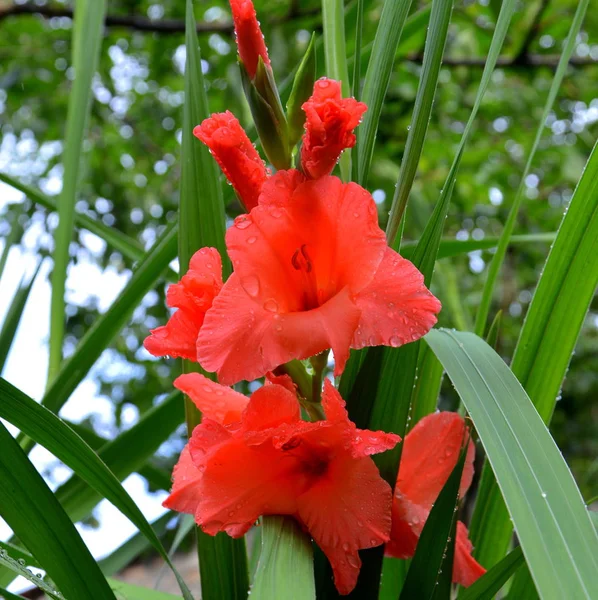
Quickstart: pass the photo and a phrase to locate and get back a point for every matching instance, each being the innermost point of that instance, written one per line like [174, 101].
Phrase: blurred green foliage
[132, 171]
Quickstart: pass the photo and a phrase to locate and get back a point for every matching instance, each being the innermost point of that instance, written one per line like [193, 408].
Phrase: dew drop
[251, 284]
[353, 561]
[346, 547]
[543, 494]
[252, 240]
[242, 222]
[207, 388]
[271, 305]
[395, 341]
[374, 542]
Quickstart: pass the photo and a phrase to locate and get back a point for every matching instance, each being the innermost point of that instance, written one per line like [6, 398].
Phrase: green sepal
[268, 115]
[303, 86]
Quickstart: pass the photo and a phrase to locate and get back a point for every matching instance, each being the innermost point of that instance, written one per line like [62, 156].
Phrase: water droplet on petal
[207, 388]
[394, 341]
[271, 305]
[252, 239]
[251, 284]
[346, 547]
[242, 222]
[353, 561]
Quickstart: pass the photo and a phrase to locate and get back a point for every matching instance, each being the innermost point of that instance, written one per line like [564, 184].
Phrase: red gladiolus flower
[329, 127]
[193, 296]
[430, 452]
[266, 461]
[250, 40]
[223, 135]
[312, 271]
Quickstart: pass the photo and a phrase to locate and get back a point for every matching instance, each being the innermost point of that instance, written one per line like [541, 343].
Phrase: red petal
[178, 338]
[466, 569]
[284, 380]
[408, 520]
[217, 402]
[184, 496]
[330, 227]
[223, 135]
[270, 406]
[242, 340]
[430, 454]
[193, 296]
[396, 307]
[241, 483]
[250, 40]
[328, 128]
[346, 510]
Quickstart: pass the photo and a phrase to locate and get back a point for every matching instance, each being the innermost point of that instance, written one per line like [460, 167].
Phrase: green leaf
[13, 317]
[430, 573]
[127, 591]
[45, 428]
[303, 85]
[222, 560]
[356, 79]
[109, 324]
[285, 568]
[17, 567]
[377, 78]
[18, 554]
[545, 346]
[450, 247]
[113, 237]
[422, 110]
[87, 40]
[554, 529]
[6, 595]
[36, 517]
[335, 54]
[486, 587]
[498, 258]
[424, 398]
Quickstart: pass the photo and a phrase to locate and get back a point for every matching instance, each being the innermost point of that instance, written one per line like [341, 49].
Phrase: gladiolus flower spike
[256, 457]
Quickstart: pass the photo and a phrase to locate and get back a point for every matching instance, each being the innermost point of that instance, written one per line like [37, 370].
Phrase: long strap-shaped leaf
[554, 529]
[87, 38]
[377, 77]
[499, 255]
[222, 560]
[44, 427]
[548, 336]
[422, 109]
[109, 324]
[36, 517]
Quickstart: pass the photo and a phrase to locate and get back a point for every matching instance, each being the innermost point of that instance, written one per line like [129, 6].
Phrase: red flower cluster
[312, 271]
[257, 457]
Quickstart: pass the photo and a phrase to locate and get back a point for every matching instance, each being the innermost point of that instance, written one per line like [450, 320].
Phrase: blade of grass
[554, 529]
[113, 237]
[222, 560]
[6, 595]
[487, 586]
[286, 556]
[450, 247]
[16, 568]
[422, 109]
[498, 258]
[335, 54]
[109, 324]
[36, 517]
[87, 39]
[13, 317]
[18, 554]
[356, 80]
[13, 238]
[427, 386]
[377, 78]
[45, 428]
[548, 336]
